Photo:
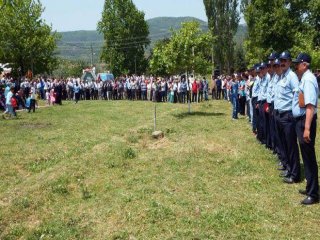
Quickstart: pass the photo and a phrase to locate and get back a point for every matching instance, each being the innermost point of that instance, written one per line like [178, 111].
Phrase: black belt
[281, 114]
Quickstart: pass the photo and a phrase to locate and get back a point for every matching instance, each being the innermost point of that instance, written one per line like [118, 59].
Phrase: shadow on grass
[200, 114]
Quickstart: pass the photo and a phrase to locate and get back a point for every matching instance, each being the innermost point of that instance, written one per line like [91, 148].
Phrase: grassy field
[92, 171]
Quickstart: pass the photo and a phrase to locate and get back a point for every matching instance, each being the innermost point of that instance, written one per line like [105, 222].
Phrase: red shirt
[194, 87]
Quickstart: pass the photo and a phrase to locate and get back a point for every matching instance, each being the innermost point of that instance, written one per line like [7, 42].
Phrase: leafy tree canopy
[26, 41]
[189, 49]
[125, 37]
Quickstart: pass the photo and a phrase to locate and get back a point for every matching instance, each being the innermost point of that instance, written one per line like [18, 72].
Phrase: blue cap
[277, 62]
[263, 65]
[302, 57]
[285, 55]
[257, 67]
[273, 56]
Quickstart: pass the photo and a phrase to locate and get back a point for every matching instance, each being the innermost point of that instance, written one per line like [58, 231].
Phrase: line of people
[173, 89]
[284, 107]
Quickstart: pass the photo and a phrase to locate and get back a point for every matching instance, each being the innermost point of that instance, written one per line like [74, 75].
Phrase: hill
[79, 44]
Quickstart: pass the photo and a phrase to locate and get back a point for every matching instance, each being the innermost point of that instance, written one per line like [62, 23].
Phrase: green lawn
[92, 171]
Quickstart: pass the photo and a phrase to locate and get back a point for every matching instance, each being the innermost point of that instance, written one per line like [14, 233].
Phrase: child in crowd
[47, 98]
[52, 97]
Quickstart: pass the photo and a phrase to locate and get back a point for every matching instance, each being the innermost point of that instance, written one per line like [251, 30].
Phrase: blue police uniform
[285, 124]
[270, 101]
[277, 141]
[308, 86]
[255, 94]
[262, 99]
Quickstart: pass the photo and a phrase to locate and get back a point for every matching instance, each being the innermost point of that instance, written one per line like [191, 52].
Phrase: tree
[314, 19]
[223, 18]
[188, 50]
[7, 3]
[126, 37]
[279, 25]
[26, 41]
[157, 62]
[240, 64]
[68, 68]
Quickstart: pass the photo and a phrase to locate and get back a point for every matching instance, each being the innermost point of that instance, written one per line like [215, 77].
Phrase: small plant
[60, 186]
[85, 194]
[133, 139]
[129, 153]
[170, 130]
[23, 203]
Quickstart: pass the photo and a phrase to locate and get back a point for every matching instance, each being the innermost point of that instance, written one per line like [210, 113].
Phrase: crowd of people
[282, 105]
[54, 91]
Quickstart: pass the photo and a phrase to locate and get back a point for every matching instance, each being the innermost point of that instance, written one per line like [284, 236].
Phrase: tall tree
[240, 64]
[157, 62]
[314, 18]
[276, 25]
[126, 37]
[188, 50]
[223, 18]
[26, 41]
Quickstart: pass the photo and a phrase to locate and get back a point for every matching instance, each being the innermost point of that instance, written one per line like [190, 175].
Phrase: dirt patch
[159, 144]
[101, 147]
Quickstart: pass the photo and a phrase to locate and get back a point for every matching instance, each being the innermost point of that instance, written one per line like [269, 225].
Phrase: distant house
[88, 75]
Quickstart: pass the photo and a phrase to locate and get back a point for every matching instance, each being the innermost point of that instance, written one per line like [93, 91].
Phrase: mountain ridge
[81, 44]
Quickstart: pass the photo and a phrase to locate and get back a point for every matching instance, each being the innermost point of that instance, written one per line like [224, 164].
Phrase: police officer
[255, 94]
[304, 109]
[286, 87]
[262, 99]
[278, 146]
[270, 100]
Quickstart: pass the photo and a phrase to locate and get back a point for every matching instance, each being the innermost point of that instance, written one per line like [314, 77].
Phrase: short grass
[92, 171]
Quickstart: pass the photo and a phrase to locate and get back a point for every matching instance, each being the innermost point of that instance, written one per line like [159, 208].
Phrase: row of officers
[285, 116]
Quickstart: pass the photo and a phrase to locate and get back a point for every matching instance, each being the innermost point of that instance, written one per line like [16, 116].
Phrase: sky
[72, 15]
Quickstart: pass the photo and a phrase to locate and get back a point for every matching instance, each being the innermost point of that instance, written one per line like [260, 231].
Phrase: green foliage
[223, 18]
[60, 186]
[240, 62]
[157, 63]
[129, 153]
[68, 68]
[270, 28]
[126, 37]
[280, 25]
[189, 49]
[7, 3]
[314, 19]
[26, 40]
